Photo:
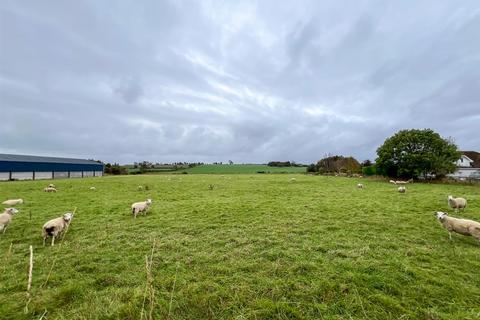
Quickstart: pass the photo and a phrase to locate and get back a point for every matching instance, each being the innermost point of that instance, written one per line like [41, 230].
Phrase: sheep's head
[450, 198]
[68, 216]
[11, 211]
[149, 201]
[440, 215]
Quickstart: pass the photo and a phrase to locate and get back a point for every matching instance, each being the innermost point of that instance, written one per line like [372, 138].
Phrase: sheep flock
[57, 227]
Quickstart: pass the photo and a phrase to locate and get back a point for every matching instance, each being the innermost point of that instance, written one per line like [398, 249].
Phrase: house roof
[27, 158]
[475, 156]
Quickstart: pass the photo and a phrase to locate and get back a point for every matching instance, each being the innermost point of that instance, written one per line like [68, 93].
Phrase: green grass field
[253, 247]
[242, 168]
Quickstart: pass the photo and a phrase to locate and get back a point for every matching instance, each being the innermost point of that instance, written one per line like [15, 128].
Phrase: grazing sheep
[402, 189]
[6, 218]
[50, 189]
[143, 206]
[457, 203]
[360, 185]
[93, 188]
[140, 188]
[12, 202]
[293, 179]
[56, 227]
[51, 185]
[461, 226]
[401, 182]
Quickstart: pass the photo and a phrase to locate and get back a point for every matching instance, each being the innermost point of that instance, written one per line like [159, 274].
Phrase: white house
[468, 166]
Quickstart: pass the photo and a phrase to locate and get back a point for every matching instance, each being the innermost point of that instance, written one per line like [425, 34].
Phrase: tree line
[415, 153]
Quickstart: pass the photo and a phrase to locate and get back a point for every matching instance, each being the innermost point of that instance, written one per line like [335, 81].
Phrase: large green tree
[414, 153]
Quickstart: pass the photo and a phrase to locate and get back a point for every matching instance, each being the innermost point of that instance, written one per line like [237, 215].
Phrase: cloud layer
[250, 81]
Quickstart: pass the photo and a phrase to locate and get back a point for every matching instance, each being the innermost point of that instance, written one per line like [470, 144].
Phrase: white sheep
[401, 182]
[360, 185]
[6, 218]
[93, 188]
[402, 189]
[293, 179]
[457, 203]
[12, 202]
[50, 189]
[461, 226]
[138, 207]
[56, 227]
[51, 185]
[140, 188]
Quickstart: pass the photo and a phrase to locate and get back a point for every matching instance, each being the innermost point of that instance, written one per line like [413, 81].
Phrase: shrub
[312, 168]
[369, 170]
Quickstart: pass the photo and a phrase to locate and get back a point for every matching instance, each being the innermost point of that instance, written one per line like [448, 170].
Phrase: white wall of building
[43, 175]
[22, 175]
[464, 172]
[75, 174]
[87, 173]
[60, 174]
[464, 161]
[5, 176]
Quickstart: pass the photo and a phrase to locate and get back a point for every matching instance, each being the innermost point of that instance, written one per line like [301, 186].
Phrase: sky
[247, 81]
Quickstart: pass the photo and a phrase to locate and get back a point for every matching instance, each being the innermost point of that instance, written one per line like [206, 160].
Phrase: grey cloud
[130, 90]
[250, 81]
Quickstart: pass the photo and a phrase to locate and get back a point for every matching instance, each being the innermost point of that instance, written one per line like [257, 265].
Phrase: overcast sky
[250, 81]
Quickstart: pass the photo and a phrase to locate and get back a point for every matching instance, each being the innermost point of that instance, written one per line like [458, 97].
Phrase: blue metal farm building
[20, 167]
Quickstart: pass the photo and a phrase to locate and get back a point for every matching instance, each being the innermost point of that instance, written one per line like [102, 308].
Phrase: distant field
[240, 247]
[242, 168]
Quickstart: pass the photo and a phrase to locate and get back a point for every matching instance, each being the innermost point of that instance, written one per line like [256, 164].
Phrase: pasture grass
[250, 247]
[242, 168]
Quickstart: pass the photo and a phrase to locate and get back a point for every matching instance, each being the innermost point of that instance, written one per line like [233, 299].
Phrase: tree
[366, 163]
[279, 164]
[330, 164]
[115, 169]
[414, 153]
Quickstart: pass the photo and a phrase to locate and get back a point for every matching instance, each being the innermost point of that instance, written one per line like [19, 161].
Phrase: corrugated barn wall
[22, 167]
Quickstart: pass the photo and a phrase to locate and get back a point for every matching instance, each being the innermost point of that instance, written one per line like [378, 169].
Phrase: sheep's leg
[450, 235]
[53, 241]
[44, 240]
[4, 229]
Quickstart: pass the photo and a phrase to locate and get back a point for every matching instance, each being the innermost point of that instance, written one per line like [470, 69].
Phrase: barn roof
[475, 156]
[27, 158]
